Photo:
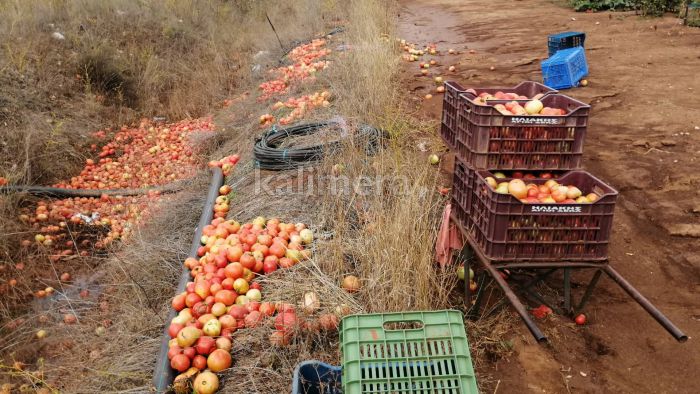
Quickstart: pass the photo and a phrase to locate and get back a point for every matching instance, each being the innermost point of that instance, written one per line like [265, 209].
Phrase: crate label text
[555, 209]
[535, 120]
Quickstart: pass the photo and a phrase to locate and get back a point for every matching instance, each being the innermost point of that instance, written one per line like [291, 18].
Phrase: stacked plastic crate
[537, 147]
[567, 64]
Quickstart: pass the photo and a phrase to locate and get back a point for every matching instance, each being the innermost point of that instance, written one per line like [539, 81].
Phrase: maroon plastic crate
[451, 103]
[488, 139]
[463, 180]
[506, 229]
[458, 213]
[462, 185]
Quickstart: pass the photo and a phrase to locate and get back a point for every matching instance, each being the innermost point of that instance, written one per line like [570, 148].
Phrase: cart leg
[567, 290]
[644, 303]
[515, 302]
[467, 291]
[538, 278]
[532, 296]
[473, 310]
[588, 293]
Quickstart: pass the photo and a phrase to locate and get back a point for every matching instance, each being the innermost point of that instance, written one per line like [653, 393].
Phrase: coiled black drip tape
[269, 155]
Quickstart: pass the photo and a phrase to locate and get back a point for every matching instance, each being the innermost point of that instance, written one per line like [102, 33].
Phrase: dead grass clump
[385, 228]
[365, 79]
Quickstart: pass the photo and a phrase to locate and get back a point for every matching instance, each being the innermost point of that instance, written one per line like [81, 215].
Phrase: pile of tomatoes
[135, 157]
[307, 53]
[225, 163]
[142, 156]
[549, 192]
[223, 296]
[300, 106]
[303, 67]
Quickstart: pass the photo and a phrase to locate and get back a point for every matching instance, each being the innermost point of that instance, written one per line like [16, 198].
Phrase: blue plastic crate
[316, 377]
[565, 40]
[565, 69]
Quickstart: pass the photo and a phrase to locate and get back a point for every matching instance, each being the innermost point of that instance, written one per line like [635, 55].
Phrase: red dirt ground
[643, 138]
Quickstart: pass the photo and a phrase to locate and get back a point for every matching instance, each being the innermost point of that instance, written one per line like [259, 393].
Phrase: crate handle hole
[403, 325]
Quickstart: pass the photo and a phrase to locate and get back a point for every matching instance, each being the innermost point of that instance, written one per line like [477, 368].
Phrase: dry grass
[385, 230]
[385, 236]
[120, 60]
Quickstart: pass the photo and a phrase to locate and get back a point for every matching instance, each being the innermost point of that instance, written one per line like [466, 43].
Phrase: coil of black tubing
[270, 156]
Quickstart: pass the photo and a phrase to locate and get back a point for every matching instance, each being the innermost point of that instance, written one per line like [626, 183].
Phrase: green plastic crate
[408, 352]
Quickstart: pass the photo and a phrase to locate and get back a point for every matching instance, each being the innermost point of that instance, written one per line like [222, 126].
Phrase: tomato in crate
[567, 219]
[452, 102]
[550, 137]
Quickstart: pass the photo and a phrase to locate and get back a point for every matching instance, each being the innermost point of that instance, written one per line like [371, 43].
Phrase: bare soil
[643, 138]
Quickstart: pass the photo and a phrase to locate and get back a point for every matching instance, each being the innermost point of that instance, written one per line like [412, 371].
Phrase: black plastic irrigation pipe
[163, 375]
[270, 156]
[62, 192]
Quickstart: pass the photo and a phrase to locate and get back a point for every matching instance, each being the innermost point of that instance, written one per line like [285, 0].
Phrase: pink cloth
[449, 239]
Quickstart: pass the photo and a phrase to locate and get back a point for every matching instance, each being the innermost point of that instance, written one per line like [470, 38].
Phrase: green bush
[599, 5]
[647, 7]
[657, 7]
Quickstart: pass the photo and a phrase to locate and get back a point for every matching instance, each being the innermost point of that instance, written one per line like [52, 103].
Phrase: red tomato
[174, 328]
[267, 308]
[238, 312]
[205, 345]
[180, 363]
[174, 351]
[199, 362]
[277, 249]
[247, 260]
[219, 360]
[234, 270]
[227, 321]
[227, 297]
[192, 299]
[286, 262]
[179, 302]
[265, 239]
[580, 319]
[215, 287]
[261, 248]
[234, 253]
[227, 284]
[286, 321]
[253, 319]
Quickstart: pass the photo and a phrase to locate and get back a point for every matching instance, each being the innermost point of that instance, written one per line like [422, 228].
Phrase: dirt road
[643, 138]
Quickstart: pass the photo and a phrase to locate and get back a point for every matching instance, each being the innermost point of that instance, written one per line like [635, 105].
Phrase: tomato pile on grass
[141, 156]
[304, 67]
[223, 296]
[136, 157]
[300, 107]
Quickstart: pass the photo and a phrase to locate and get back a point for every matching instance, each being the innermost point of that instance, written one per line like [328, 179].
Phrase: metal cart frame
[543, 271]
